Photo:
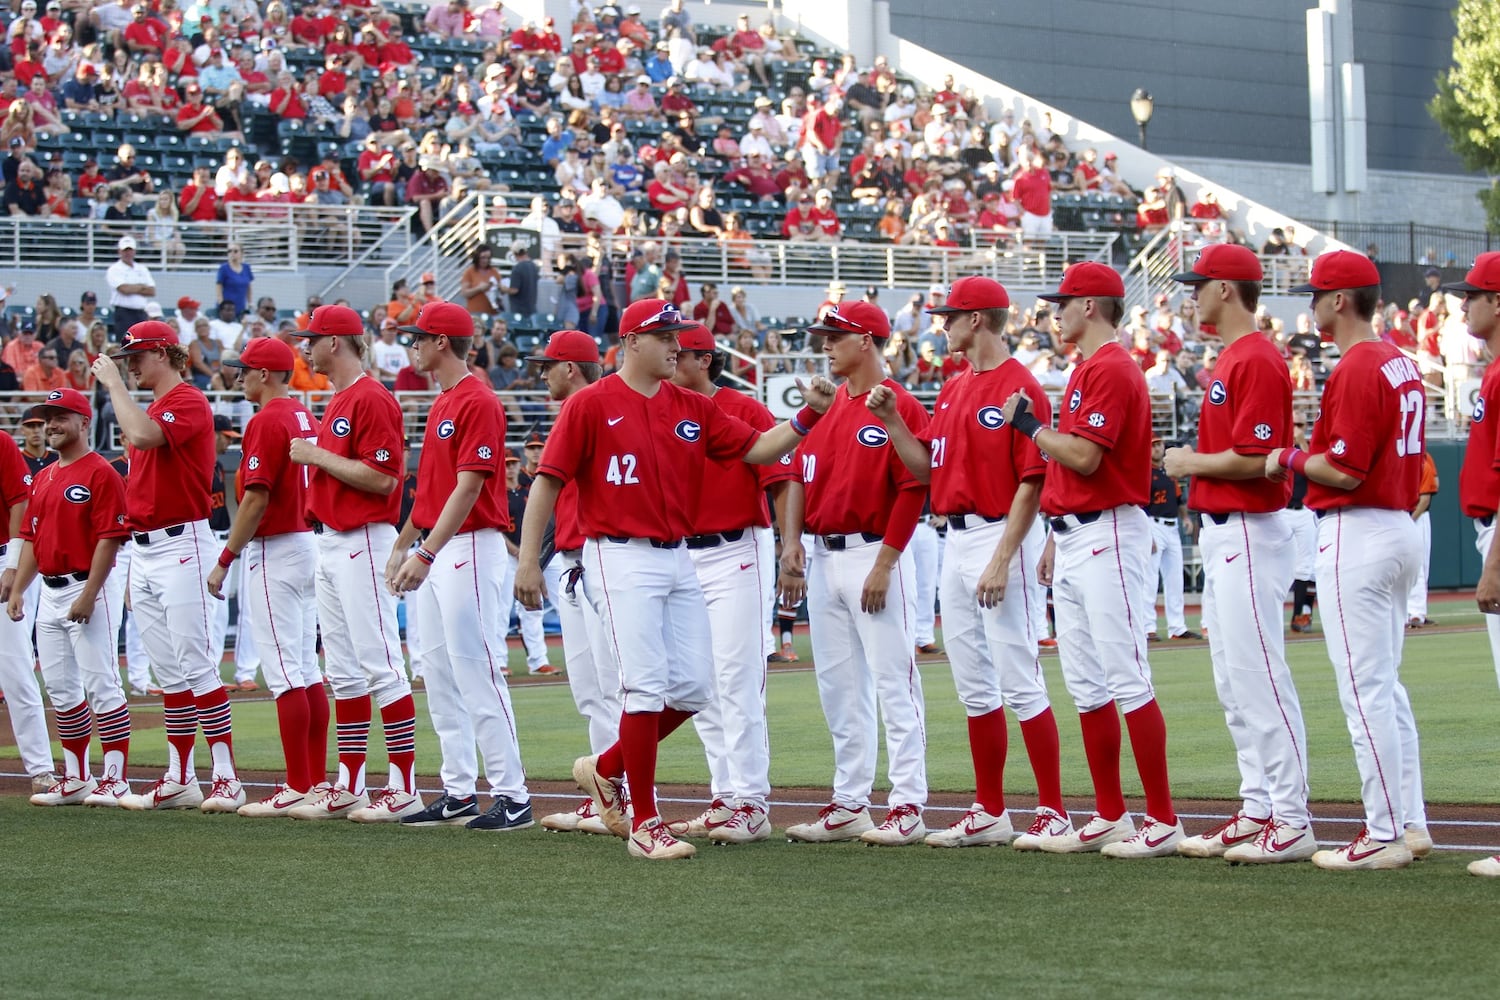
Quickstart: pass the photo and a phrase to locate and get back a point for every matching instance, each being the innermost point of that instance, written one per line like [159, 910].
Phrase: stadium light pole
[1141, 106]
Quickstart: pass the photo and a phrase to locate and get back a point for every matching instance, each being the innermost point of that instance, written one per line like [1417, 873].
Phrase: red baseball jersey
[1247, 409]
[266, 464]
[638, 460]
[1106, 403]
[72, 507]
[978, 462]
[736, 490]
[14, 485]
[567, 533]
[465, 433]
[851, 474]
[363, 422]
[171, 484]
[1371, 427]
[1479, 479]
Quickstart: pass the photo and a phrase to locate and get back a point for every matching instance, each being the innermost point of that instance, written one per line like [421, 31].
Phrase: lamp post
[1141, 106]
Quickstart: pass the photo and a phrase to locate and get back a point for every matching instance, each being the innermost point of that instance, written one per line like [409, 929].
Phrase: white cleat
[1049, 823]
[387, 805]
[903, 825]
[1096, 834]
[1154, 839]
[1418, 840]
[977, 828]
[225, 795]
[1365, 854]
[1237, 829]
[568, 822]
[716, 815]
[335, 802]
[834, 823]
[66, 791]
[1486, 867]
[1277, 843]
[277, 805]
[165, 793]
[109, 794]
[747, 824]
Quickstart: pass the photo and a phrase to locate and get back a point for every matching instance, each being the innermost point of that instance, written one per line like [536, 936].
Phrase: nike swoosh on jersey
[1230, 559]
[356, 555]
[184, 560]
[461, 565]
[1097, 551]
[745, 566]
[614, 420]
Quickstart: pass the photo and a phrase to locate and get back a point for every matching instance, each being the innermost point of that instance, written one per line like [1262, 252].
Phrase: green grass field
[284, 909]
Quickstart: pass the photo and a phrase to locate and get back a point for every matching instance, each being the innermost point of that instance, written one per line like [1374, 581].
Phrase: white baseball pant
[23, 699]
[1367, 559]
[1099, 573]
[413, 635]
[247, 660]
[1247, 566]
[736, 740]
[533, 628]
[1304, 525]
[361, 642]
[137, 664]
[1416, 600]
[1038, 601]
[463, 659]
[926, 559]
[78, 658]
[1166, 567]
[593, 676]
[171, 604]
[861, 659]
[279, 598]
[1486, 537]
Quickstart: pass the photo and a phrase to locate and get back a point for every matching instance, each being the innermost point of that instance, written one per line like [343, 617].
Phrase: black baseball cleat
[503, 815]
[929, 649]
[1186, 635]
[447, 810]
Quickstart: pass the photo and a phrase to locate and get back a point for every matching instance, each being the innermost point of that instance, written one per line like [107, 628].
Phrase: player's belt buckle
[1219, 519]
[58, 582]
[1169, 521]
[655, 543]
[964, 521]
[144, 537]
[1066, 523]
[838, 543]
[714, 539]
[316, 526]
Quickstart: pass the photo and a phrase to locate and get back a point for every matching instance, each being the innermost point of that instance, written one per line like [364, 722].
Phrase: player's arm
[1023, 510]
[13, 556]
[1487, 593]
[540, 504]
[792, 580]
[1229, 464]
[25, 573]
[1073, 452]
[104, 561]
[915, 455]
[349, 471]
[1316, 468]
[136, 426]
[247, 520]
[414, 570]
[1424, 502]
[899, 526]
[772, 444]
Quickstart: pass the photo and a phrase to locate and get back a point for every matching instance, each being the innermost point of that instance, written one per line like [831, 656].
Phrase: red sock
[213, 716]
[612, 761]
[291, 717]
[180, 716]
[353, 715]
[1148, 741]
[317, 733]
[399, 720]
[987, 739]
[669, 720]
[1101, 745]
[1040, 734]
[75, 726]
[639, 734]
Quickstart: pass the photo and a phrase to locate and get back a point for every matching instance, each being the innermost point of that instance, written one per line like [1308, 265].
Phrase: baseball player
[270, 531]
[568, 363]
[861, 504]
[1097, 484]
[1416, 601]
[987, 481]
[635, 445]
[246, 659]
[137, 664]
[1247, 566]
[533, 634]
[73, 526]
[1166, 510]
[734, 555]
[926, 554]
[353, 500]
[1363, 469]
[1304, 525]
[457, 520]
[23, 700]
[171, 449]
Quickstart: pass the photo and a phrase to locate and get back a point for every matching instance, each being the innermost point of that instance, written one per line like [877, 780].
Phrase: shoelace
[898, 814]
[741, 818]
[221, 788]
[383, 799]
[1042, 824]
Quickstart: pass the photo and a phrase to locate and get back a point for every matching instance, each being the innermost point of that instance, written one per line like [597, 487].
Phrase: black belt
[317, 527]
[144, 537]
[1486, 521]
[1061, 525]
[715, 539]
[3, 547]
[1172, 521]
[838, 543]
[655, 543]
[962, 521]
[58, 582]
[1322, 513]
[1219, 519]
[1295, 506]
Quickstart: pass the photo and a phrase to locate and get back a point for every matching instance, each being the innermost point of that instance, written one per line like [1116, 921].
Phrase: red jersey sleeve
[726, 435]
[179, 423]
[1264, 396]
[1101, 413]
[263, 453]
[13, 473]
[379, 438]
[562, 458]
[1359, 426]
[481, 439]
[108, 507]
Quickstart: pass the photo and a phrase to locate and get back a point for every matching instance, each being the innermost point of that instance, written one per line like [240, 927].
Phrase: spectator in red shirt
[1151, 215]
[819, 140]
[665, 191]
[198, 118]
[756, 177]
[425, 189]
[713, 312]
[826, 217]
[145, 35]
[1033, 189]
[178, 59]
[675, 101]
[197, 200]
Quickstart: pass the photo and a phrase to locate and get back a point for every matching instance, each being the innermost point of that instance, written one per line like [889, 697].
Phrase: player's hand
[1486, 595]
[7, 581]
[107, 373]
[531, 587]
[818, 393]
[1045, 563]
[1017, 403]
[215, 582]
[881, 401]
[991, 589]
[877, 585]
[393, 566]
[410, 576]
[14, 609]
[1274, 470]
[1177, 462]
[303, 451]
[792, 582]
[82, 609]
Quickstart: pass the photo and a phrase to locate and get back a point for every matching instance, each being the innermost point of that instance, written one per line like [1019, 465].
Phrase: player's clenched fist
[530, 587]
[106, 372]
[792, 583]
[818, 394]
[1177, 462]
[15, 607]
[1274, 468]
[303, 452]
[881, 401]
[1017, 401]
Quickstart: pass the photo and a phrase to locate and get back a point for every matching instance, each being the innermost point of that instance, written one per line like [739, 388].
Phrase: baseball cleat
[1046, 645]
[109, 792]
[66, 791]
[277, 805]
[1152, 637]
[164, 793]
[1048, 823]
[716, 815]
[929, 649]
[247, 686]
[747, 824]
[1486, 867]
[1301, 623]
[503, 816]
[1154, 839]
[977, 828]
[1418, 840]
[225, 795]
[608, 795]
[834, 823]
[653, 842]
[447, 810]
[788, 654]
[567, 822]
[1096, 833]
[1364, 854]
[1185, 635]
[592, 824]
[44, 780]
[387, 805]
[1277, 843]
[546, 670]
[335, 802]
[1237, 829]
[903, 825]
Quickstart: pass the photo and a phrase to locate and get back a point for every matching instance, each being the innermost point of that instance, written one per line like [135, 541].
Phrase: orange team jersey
[15, 482]
[736, 490]
[1479, 478]
[1247, 409]
[978, 462]
[1107, 403]
[1429, 483]
[638, 460]
[304, 379]
[1371, 428]
[363, 422]
[72, 507]
[265, 464]
[171, 484]
[465, 433]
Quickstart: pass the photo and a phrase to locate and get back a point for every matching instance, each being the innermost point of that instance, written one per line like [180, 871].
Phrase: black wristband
[1025, 422]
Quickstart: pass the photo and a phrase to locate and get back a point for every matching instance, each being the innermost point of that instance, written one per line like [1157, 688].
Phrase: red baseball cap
[854, 317]
[70, 400]
[1484, 276]
[188, 302]
[1223, 262]
[568, 345]
[1340, 269]
[148, 335]
[441, 319]
[974, 292]
[265, 352]
[1088, 279]
[652, 316]
[697, 338]
[333, 321]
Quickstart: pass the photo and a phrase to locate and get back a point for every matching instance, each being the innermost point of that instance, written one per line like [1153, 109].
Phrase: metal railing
[1172, 250]
[443, 249]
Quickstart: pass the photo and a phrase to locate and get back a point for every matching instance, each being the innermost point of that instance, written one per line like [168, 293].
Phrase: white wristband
[13, 554]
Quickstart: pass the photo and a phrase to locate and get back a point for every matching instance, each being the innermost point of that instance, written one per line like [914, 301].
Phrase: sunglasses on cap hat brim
[834, 322]
[668, 320]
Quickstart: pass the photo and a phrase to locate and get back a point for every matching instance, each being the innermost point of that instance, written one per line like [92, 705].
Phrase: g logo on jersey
[1262, 432]
[340, 427]
[1217, 393]
[1075, 400]
[1096, 419]
[688, 430]
[990, 417]
[78, 493]
[446, 429]
[872, 436]
[254, 463]
[1478, 409]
